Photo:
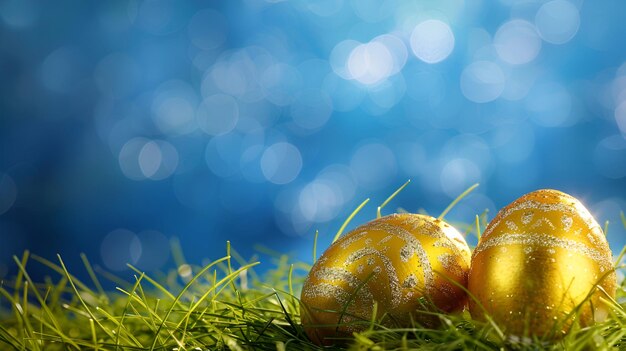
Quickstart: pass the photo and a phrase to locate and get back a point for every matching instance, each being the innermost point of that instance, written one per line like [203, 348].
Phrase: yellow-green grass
[226, 305]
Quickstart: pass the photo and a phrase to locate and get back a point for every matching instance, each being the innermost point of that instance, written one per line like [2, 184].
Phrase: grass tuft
[227, 305]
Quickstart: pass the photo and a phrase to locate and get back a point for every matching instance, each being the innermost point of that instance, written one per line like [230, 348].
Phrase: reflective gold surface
[537, 260]
[395, 261]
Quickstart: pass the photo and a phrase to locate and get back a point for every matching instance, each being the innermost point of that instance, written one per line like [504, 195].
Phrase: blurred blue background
[124, 124]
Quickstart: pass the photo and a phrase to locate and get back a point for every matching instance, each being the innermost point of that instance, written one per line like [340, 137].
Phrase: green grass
[226, 305]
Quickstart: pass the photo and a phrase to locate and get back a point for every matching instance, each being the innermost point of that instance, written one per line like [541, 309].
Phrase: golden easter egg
[397, 262]
[537, 267]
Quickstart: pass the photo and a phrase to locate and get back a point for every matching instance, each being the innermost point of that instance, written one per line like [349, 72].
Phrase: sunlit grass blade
[317, 233]
[456, 201]
[52, 317]
[395, 193]
[182, 292]
[349, 219]
[154, 283]
[92, 274]
[82, 301]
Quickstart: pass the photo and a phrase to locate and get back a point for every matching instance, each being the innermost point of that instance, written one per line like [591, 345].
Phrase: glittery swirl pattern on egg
[538, 259]
[393, 261]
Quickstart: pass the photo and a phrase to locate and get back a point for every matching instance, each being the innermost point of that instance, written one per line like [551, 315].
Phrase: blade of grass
[124, 314]
[20, 276]
[182, 292]
[128, 336]
[395, 193]
[92, 274]
[350, 217]
[456, 201]
[94, 338]
[317, 232]
[8, 338]
[56, 327]
[28, 326]
[62, 272]
[18, 316]
[154, 283]
[213, 289]
[87, 309]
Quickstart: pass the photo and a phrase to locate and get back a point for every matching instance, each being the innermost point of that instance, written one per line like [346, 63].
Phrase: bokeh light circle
[396, 48]
[432, 41]
[149, 159]
[128, 158]
[142, 158]
[517, 42]
[174, 108]
[457, 175]
[158, 159]
[218, 114]
[281, 163]
[557, 21]
[318, 201]
[119, 248]
[323, 199]
[370, 63]
[339, 57]
[482, 81]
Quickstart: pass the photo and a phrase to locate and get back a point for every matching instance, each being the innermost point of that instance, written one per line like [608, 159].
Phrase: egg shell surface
[537, 261]
[399, 261]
